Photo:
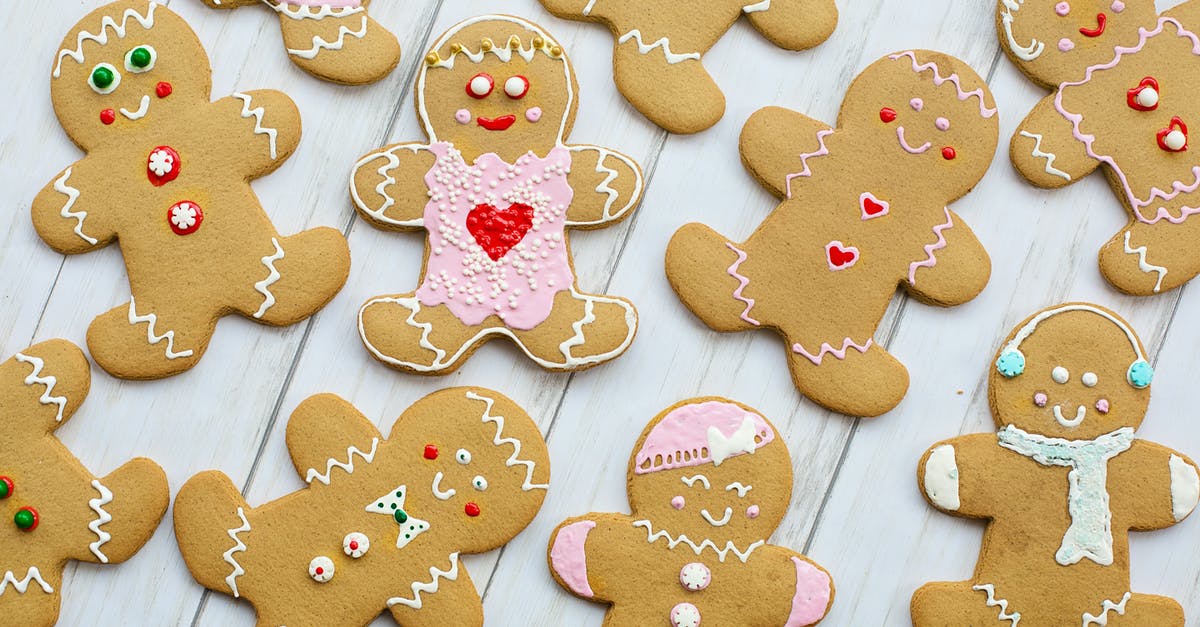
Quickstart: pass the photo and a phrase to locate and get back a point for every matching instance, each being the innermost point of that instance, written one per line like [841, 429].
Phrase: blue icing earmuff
[1011, 363]
[1140, 374]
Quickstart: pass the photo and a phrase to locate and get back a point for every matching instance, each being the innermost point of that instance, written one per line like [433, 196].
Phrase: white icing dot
[1060, 374]
[1090, 379]
[1147, 97]
[481, 85]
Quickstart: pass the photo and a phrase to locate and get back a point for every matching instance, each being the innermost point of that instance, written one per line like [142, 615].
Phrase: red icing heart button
[1145, 96]
[163, 165]
[498, 230]
[872, 207]
[1174, 138]
[185, 217]
[840, 256]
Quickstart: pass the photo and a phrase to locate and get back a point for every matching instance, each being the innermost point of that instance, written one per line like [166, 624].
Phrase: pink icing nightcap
[812, 595]
[569, 559]
[696, 434]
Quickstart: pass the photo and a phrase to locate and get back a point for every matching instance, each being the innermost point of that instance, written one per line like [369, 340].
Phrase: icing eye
[104, 78]
[480, 86]
[356, 544]
[1174, 138]
[320, 569]
[1090, 379]
[887, 114]
[1140, 374]
[1060, 374]
[431, 452]
[1062, 9]
[516, 87]
[1011, 363]
[6, 487]
[463, 456]
[26, 519]
[1145, 96]
[141, 59]
[479, 482]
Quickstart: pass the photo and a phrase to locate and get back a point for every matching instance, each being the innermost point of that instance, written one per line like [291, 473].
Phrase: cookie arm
[70, 215]
[327, 438]
[259, 129]
[388, 186]
[444, 596]
[793, 24]
[229, 4]
[1044, 148]
[953, 475]
[577, 553]
[952, 266]
[1162, 484]
[796, 583]
[124, 511]
[608, 186]
[42, 386]
[777, 145]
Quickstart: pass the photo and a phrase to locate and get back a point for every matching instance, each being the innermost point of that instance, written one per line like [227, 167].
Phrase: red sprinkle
[163, 89]
[431, 451]
[471, 509]
[948, 153]
[108, 116]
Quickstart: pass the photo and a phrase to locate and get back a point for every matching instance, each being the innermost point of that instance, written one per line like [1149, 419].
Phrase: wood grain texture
[856, 508]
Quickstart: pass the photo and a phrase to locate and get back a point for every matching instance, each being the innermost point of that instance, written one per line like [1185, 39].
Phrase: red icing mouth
[108, 116]
[1101, 21]
[497, 124]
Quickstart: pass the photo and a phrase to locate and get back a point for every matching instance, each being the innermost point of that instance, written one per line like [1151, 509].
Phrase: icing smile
[141, 112]
[717, 523]
[1080, 412]
[1101, 22]
[501, 123]
[438, 492]
[909, 149]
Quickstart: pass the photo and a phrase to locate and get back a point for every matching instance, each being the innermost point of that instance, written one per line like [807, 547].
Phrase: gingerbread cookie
[864, 210]
[60, 511]
[709, 482]
[382, 523]
[1061, 483]
[657, 51]
[331, 39]
[168, 174]
[1120, 74]
[496, 188]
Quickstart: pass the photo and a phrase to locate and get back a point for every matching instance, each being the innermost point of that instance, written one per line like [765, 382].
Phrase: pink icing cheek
[677, 502]
[917, 104]
[942, 124]
[1118, 6]
[1066, 45]
[463, 116]
[533, 114]
[1062, 8]
[1102, 405]
[752, 512]
[1039, 399]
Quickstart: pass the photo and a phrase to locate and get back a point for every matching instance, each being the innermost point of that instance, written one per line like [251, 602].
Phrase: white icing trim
[992, 601]
[587, 9]
[717, 523]
[300, 12]
[239, 546]
[348, 465]
[1031, 326]
[263, 286]
[72, 194]
[653, 536]
[1185, 487]
[21, 585]
[691, 481]
[102, 518]
[644, 48]
[1106, 607]
[1025, 53]
[320, 43]
[442, 495]
[757, 7]
[150, 320]
[147, 22]
[35, 377]
[143, 109]
[428, 588]
[941, 478]
[513, 460]
[385, 171]
[604, 188]
[257, 114]
[1143, 264]
[1038, 153]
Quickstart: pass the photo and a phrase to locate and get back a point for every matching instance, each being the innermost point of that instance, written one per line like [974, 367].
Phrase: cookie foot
[298, 275]
[957, 604]
[212, 524]
[352, 49]
[853, 378]
[657, 80]
[142, 341]
[583, 331]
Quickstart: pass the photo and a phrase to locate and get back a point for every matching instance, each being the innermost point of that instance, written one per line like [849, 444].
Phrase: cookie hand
[326, 436]
[952, 474]
[71, 217]
[1045, 151]
[776, 146]
[388, 186]
[260, 129]
[952, 267]
[125, 510]
[793, 24]
[608, 186]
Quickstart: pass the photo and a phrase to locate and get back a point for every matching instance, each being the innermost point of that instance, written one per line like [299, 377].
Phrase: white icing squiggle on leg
[1106, 607]
[1143, 264]
[429, 587]
[644, 48]
[240, 546]
[21, 585]
[35, 378]
[263, 286]
[299, 11]
[151, 320]
[72, 195]
[1048, 156]
[102, 518]
[319, 43]
[992, 601]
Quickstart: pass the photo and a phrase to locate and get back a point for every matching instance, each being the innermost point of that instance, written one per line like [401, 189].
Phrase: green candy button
[25, 519]
[400, 516]
[102, 77]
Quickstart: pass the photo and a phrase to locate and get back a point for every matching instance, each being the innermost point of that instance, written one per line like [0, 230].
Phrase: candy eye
[480, 86]
[463, 456]
[6, 487]
[480, 483]
[1145, 96]
[1062, 9]
[104, 78]
[516, 87]
[887, 114]
[141, 59]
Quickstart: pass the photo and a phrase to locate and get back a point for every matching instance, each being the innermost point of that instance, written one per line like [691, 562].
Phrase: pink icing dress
[496, 236]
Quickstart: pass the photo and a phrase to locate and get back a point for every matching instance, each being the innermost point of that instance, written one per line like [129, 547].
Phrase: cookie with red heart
[863, 210]
[497, 189]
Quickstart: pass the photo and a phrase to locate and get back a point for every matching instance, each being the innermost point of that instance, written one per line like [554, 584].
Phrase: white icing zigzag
[151, 320]
[240, 546]
[652, 536]
[429, 588]
[385, 171]
[992, 601]
[257, 113]
[263, 286]
[72, 195]
[147, 22]
[513, 459]
[102, 518]
[589, 316]
[1048, 156]
[605, 188]
[319, 44]
[644, 48]
[306, 12]
[1106, 607]
[1143, 265]
[23, 584]
[34, 377]
[348, 465]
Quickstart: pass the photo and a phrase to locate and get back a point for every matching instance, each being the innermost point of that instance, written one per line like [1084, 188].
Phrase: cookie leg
[127, 506]
[957, 604]
[346, 46]
[583, 330]
[404, 334]
[296, 276]
[705, 271]
[794, 24]
[212, 525]
[149, 339]
[1142, 609]
[851, 378]
[665, 81]
[36, 606]
[1146, 259]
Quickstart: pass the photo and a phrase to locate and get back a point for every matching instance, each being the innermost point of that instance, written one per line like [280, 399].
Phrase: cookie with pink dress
[496, 189]
[709, 482]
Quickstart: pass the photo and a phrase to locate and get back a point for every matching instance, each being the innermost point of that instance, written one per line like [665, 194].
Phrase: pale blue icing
[1140, 374]
[1011, 363]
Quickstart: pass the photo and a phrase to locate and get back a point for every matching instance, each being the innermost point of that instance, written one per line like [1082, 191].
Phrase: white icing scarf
[1090, 533]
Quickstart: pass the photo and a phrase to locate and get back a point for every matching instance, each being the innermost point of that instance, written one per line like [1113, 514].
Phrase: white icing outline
[239, 546]
[263, 286]
[385, 171]
[320, 43]
[442, 495]
[150, 320]
[348, 465]
[691, 481]
[604, 188]
[301, 12]
[1024, 53]
[21, 585]
[102, 518]
[1014, 345]
[512, 460]
[757, 7]
[1185, 487]
[428, 588]
[644, 48]
[992, 601]
[1143, 264]
[147, 22]
[35, 377]
[941, 478]
[72, 194]
[653, 536]
[1038, 153]
[257, 114]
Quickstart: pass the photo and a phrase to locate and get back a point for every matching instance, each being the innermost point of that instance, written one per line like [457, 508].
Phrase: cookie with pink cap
[709, 482]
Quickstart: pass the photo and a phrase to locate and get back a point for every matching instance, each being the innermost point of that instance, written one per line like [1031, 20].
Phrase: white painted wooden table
[856, 507]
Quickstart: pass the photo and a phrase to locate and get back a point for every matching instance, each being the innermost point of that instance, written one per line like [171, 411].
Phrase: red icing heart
[498, 230]
[871, 208]
[840, 256]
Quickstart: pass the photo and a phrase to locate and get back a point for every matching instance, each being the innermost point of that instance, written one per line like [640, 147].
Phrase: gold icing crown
[486, 45]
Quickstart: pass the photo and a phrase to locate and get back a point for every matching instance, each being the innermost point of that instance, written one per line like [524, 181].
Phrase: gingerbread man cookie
[1123, 79]
[709, 482]
[59, 511]
[864, 210]
[331, 39]
[658, 48]
[168, 174]
[496, 188]
[1061, 483]
[382, 523]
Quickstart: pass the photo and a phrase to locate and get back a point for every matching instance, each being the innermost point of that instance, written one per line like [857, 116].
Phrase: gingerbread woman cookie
[496, 188]
[59, 510]
[168, 174]
[709, 482]
[382, 523]
[864, 210]
[331, 39]
[657, 53]
[1122, 77]
[1061, 483]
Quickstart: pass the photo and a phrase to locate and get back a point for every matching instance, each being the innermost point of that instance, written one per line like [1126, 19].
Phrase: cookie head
[1075, 371]
[924, 112]
[1054, 40]
[711, 468]
[497, 84]
[126, 65]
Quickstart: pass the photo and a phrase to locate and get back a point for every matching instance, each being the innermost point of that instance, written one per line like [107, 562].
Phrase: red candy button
[185, 217]
[163, 165]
